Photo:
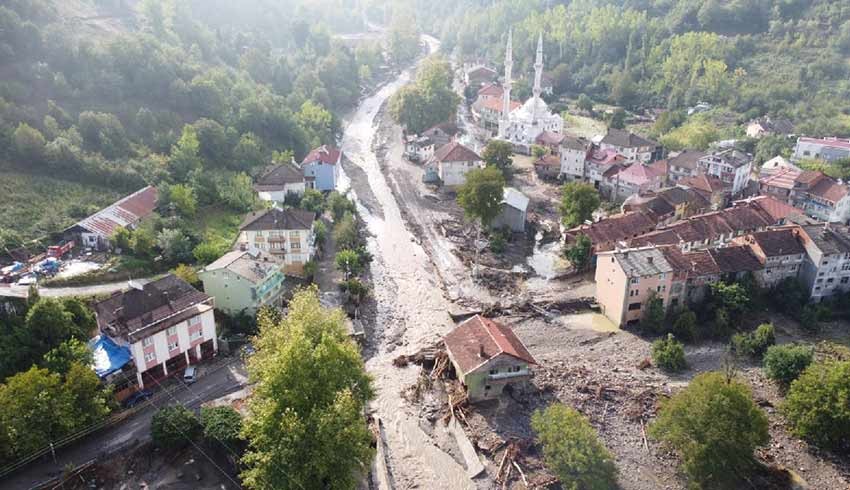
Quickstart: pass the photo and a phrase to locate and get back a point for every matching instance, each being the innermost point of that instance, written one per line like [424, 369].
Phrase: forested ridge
[785, 58]
[122, 93]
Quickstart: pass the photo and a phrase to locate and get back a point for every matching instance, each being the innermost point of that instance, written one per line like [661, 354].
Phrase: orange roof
[455, 152]
[478, 340]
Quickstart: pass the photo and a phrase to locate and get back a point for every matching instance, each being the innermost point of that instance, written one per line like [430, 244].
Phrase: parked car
[136, 398]
[189, 375]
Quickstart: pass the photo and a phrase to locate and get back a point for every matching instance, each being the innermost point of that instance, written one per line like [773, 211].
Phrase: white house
[514, 212]
[731, 166]
[453, 161]
[277, 182]
[287, 234]
[167, 324]
[574, 152]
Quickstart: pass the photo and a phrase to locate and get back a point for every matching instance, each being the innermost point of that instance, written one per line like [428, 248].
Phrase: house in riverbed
[487, 357]
[453, 161]
[514, 212]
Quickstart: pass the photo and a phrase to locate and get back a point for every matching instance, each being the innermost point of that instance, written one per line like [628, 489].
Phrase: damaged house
[487, 356]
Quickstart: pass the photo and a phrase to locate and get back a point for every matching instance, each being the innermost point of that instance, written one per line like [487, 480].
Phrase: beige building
[287, 234]
[781, 253]
[626, 280]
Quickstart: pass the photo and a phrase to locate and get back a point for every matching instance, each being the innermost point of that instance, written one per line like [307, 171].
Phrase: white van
[189, 375]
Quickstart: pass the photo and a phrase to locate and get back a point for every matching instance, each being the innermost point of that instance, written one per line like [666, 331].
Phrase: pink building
[167, 325]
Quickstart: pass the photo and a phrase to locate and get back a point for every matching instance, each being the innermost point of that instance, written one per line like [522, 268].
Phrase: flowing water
[411, 309]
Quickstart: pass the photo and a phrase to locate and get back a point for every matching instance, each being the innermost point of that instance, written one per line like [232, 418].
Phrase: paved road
[222, 381]
[95, 289]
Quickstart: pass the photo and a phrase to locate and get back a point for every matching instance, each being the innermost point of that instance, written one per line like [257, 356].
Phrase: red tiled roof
[549, 138]
[604, 157]
[829, 189]
[325, 154]
[494, 104]
[478, 335]
[735, 259]
[491, 89]
[703, 182]
[776, 243]
[615, 228]
[455, 152]
[810, 176]
[126, 212]
[640, 174]
[783, 178]
[776, 209]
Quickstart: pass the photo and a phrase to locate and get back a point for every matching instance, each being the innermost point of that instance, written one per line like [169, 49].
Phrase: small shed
[514, 211]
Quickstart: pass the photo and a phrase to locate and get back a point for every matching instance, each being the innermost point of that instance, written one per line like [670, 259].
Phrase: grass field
[33, 207]
[219, 224]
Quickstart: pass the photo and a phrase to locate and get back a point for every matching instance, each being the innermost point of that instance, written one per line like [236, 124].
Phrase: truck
[59, 251]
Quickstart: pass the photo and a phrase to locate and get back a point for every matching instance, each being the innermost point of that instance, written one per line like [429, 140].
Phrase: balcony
[507, 375]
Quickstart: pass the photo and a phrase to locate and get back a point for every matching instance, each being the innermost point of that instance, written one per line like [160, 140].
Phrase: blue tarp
[108, 356]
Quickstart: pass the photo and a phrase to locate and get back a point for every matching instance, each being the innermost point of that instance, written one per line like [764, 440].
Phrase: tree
[481, 195]
[499, 154]
[538, 151]
[313, 200]
[320, 232]
[685, 325]
[653, 317]
[143, 242]
[60, 358]
[754, 344]
[785, 363]
[584, 103]
[306, 424]
[185, 155]
[669, 354]
[572, 450]
[617, 119]
[579, 252]
[345, 232]
[817, 404]
[222, 424]
[238, 192]
[214, 146]
[715, 427]
[174, 427]
[121, 238]
[248, 153]
[180, 198]
[186, 273]
[49, 324]
[348, 261]
[578, 202]
[175, 245]
[29, 143]
[339, 205]
[208, 251]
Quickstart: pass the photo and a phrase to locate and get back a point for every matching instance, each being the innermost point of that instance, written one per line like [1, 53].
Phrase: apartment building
[167, 324]
[731, 166]
[287, 234]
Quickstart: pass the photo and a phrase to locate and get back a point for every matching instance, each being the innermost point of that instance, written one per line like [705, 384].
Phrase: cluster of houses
[153, 330]
[817, 254]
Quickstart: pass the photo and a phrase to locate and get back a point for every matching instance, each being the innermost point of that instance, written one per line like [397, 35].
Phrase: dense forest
[116, 94]
[748, 58]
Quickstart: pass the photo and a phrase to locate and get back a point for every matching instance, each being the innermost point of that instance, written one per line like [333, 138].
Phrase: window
[150, 356]
[635, 280]
[171, 331]
[172, 346]
[486, 387]
[767, 271]
[494, 371]
[844, 280]
[197, 335]
[634, 306]
[147, 342]
[830, 280]
[194, 320]
[820, 281]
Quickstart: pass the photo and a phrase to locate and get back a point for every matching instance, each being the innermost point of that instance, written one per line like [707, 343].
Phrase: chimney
[649, 259]
[481, 353]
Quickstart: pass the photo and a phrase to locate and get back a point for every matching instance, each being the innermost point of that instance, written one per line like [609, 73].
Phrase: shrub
[817, 405]
[669, 354]
[313, 200]
[208, 252]
[685, 326]
[754, 344]
[572, 449]
[187, 273]
[498, 241]
[222, 424]
[345, 232]
[355, 289]
[348, 262]
[714, 426]
[785, 363]
[173, 427]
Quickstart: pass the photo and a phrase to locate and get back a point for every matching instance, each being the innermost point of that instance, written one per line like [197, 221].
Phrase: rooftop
[776, 243]
[573, 143]
[144, 310]
[641, 173]
[455, 152]
[278, 219]
[278, 176]
[687, 159]
[492, 90]
[616, 228]
[126, 212]
[782, 177]
[549, 138]
[642, 262]
[730, 156]
[252, 265]
[325, 154]
[626, 139]
[478, 340]
[515, 199]
[829, 141]
[829, 238]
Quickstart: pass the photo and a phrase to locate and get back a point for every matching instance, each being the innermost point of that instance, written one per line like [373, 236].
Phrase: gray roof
[686, 159]
[252, 265]
[279, 219]
[277, 177]
[626, 139]
[643, 262]
[733, 157]
[515, 199]
[572, 143]
[830, 240]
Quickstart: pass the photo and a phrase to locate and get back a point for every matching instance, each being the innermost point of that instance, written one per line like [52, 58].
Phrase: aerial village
[533, 306]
